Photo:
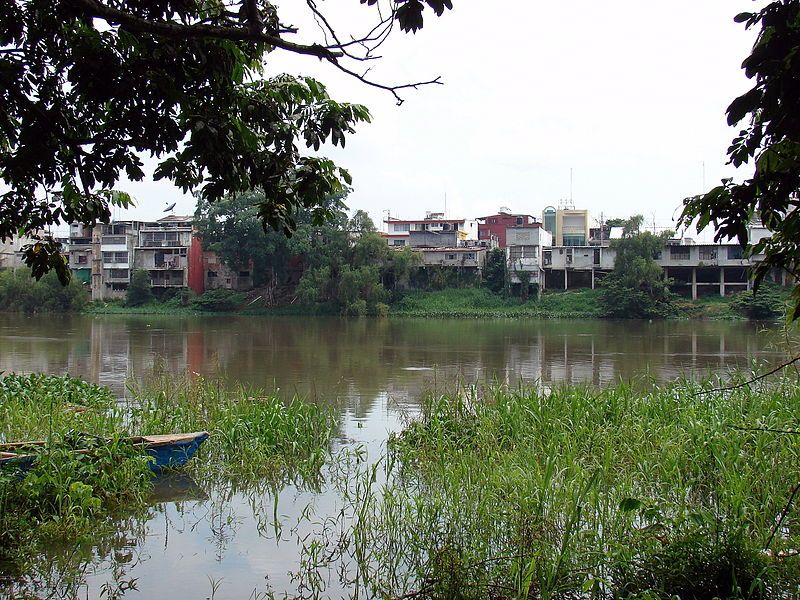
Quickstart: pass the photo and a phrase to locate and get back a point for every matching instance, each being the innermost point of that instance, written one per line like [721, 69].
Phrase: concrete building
[163, 251]
[79, 252]
[492, 228]
[112, 257]
[400, 229]
[464, 257]
[525, 253]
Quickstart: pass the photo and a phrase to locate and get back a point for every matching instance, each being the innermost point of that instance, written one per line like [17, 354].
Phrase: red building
[494, 226]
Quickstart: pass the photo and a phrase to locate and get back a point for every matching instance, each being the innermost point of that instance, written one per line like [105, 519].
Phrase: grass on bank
[579, 493]
[74, 498]
[481, 303]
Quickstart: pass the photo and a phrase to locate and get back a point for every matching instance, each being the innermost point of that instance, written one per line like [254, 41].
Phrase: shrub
[769, 302]
[139, 289]
[219, 300]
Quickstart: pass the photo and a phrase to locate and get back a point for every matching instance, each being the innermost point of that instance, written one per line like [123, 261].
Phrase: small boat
[167, 451]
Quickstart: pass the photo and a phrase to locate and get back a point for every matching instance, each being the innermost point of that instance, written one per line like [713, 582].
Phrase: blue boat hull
[175, 454]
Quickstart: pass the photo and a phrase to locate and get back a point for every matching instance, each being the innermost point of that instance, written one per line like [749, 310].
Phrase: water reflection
[355, 360]
[372, 371]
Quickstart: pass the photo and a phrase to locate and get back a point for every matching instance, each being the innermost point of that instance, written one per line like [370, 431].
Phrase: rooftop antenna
[570, 186]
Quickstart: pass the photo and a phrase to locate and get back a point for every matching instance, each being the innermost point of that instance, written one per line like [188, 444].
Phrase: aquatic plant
[576, 492]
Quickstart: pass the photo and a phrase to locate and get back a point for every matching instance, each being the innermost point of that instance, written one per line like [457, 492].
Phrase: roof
[504, 215]
[393, 220]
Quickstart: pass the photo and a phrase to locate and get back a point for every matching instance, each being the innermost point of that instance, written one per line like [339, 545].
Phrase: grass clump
[71, 497]
[482, 303]
[580, 493]
[254, 434]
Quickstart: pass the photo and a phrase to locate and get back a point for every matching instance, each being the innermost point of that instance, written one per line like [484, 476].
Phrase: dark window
[519, 220]
[735, 253]
[212, 274]
[244, 273]
[679, 252]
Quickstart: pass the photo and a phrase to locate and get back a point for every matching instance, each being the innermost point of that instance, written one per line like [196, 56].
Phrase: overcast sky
[629, 95]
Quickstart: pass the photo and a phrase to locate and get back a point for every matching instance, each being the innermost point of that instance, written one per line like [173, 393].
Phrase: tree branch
[171, 29]
[389, 88]
[749, 381]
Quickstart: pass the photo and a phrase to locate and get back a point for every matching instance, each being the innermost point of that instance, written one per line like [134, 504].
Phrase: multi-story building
[492, 228]
[525, 252]
[79, 252]
[400, 229]
[113, 246]
[163, 250]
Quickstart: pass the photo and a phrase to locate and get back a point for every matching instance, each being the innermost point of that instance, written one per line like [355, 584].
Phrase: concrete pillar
[694, 283]
[722, 281]
[592, 278]
[566, 279]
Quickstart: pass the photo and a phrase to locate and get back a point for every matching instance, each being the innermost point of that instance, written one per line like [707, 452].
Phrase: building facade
[398, 230]
[492, 228]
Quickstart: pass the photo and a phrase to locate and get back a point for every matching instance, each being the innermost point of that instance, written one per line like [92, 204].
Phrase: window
[449, 256]
[469, 256]
[596, 259]
[398, 242]
[400, 227]
[548, 257]
[493, 221]
[115, 257]
[119, 273]
[519, 220]
[244, 273]
[708, 254]
[679, 252]
[735, 253]
[82, 260]
[445, 226]
[569, 256]
[211, 274]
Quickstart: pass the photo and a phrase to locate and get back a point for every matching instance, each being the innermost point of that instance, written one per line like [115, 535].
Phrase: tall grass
[255, 438]
[580, 493]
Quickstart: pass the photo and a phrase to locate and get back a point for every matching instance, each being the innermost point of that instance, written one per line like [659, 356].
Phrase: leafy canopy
[636, 288]
[770, 143]
[87, 87]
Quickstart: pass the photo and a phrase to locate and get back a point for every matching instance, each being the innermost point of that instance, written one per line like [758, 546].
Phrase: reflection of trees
[352, 362]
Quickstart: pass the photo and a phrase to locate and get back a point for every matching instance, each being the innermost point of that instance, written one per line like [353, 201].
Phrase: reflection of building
[492, 228]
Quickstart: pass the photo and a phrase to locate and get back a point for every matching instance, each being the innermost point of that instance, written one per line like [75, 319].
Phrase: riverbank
[468, 303]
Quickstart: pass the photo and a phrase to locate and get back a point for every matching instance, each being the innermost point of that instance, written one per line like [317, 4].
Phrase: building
[112, 257]
[79, 252]
[163, 250]
[399, 230]
[525, 253]
[492, 228]
[572, 227]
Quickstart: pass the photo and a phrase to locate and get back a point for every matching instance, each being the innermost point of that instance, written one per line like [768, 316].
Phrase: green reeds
[577, 492]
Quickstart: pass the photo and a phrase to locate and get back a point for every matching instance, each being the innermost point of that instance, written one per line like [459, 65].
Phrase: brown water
[372, 371]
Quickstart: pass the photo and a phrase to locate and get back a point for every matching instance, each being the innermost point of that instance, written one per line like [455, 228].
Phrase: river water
[224, 543]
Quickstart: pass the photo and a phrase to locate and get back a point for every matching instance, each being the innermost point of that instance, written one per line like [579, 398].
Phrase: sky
[619, 106]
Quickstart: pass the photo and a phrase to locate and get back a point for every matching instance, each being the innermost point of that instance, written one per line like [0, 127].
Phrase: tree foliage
[770, 143]
[88, 86]
[140, 291]
[494, 273]
[19, 294]
[636, 288]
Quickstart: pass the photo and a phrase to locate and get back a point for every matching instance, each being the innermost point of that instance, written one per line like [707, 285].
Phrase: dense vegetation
[20, 293]
[679, 491]
[77, 498]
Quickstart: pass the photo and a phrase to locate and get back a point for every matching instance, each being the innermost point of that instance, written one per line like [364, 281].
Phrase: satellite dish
[170, 207]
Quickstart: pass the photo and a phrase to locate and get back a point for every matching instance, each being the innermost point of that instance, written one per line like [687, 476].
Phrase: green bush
[220, 300]
[769, 302]
[139, 289]
[19, 292]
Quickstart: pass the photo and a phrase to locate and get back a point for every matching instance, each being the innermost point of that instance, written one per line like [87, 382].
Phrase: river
[373, 372]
